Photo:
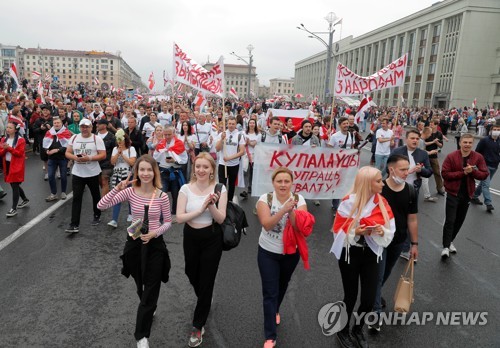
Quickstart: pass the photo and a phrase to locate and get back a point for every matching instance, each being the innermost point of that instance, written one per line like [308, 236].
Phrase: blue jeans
[116, 211]
[484, 187]
[52, 167]
[275, 273]
[380, 163]
[385, 266]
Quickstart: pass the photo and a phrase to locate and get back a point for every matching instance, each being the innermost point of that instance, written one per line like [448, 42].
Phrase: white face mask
[397, 179]
[495, 134]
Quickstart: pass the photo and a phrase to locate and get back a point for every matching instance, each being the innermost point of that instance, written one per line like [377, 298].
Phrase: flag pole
[224, 142]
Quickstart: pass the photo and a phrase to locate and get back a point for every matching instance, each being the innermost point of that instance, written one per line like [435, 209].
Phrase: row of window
[105, 61]
[103, 67]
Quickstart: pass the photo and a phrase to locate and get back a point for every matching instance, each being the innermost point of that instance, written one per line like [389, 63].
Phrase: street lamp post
[332, 20]
[250, 56]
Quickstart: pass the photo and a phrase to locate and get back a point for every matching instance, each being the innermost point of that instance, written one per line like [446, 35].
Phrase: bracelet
[414, 243]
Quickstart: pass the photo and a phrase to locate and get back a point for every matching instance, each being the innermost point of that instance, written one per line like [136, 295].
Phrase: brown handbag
[403, 298]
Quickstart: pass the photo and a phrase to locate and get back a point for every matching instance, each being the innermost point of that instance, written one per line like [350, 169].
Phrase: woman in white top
[197, 206]
[276, 268]
[155, 138]
[252, 137]
[150, 126]
[188, 138]
[123, 159]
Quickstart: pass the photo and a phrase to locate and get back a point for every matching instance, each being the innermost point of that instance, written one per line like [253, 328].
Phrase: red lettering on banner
[275, 159]
[399, 74]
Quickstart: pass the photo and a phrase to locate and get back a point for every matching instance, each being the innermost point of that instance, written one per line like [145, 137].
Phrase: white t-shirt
[86, 147]
[204, 131]
[338, 139]
[190, 138]
[121, 169]
[253, 137]
[194, 202]
[413, 176]
[231, 147]
[273, 240]
[150, 128]
[8, 155]
[385, 147]
[165, 119]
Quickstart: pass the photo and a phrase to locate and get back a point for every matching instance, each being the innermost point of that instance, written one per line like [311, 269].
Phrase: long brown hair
[149, 159]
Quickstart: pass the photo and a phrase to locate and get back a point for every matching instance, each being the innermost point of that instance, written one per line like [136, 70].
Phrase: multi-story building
[279, 86]
[237, 77]
[263, 92]
[8, 55]
[70, 68]
[453, 51]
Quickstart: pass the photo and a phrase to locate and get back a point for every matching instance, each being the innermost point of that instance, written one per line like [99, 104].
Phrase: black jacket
[420, 156]
[136, 139]
[109, 143]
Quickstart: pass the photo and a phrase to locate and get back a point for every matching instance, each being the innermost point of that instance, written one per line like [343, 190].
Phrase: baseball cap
[85, 122]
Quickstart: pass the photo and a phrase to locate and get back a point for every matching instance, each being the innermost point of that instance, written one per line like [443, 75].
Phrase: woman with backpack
[198, 205]
[13, 158]
[274, 210]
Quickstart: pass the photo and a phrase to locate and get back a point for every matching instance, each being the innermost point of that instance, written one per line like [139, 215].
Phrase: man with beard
[305, 136]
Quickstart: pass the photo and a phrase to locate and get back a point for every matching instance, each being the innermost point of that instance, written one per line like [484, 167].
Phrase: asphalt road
[60, 290]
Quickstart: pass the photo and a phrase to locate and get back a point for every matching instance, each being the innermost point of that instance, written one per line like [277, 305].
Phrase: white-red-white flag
[40, 92]
[35, 75]
[363, 106]
[13, 73]
[47, 77]
[474, 103]
[151, 81]
[96, 81]
[138, 97]
[233, 92]
[112, 88]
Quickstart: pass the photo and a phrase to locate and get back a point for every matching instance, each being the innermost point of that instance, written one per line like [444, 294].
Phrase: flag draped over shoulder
[175, 151]
[63, 135]
[189, 72]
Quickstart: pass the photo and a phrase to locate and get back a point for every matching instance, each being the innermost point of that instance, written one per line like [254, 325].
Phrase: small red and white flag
[13, 73]
[35, 75]
[151, 81]
[363, 106]
[48, 77]
[138, 96]
[112, 88]
[63, 135]
[298, 96]
[200, 100]
[474, 103]
[96, 81]
[233, 93]
[215, 128]
[40, 92]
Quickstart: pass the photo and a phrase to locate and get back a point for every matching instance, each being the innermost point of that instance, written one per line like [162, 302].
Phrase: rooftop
[51, 52]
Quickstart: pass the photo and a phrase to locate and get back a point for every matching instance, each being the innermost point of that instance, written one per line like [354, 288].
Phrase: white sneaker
[113, 223]
[51, 198]
[453, 250]
[63, 196]
[143, 343]
[46, 177]
[129, 218]
[445, 253]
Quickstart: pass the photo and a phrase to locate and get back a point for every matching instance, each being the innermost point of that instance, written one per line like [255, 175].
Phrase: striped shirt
[158, 206]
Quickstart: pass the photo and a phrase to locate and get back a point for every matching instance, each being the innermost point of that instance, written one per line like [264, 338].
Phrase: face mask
[495, 134]
[397, 179]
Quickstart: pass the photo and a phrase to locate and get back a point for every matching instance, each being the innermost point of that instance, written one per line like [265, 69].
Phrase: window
[434, 49]
[428, 87]
[437, 30]
[57, 58]
[432, 68]
[419, 69]
[8, 52]
[497, 92]
[423, 34]
[421, 52]
[64, 58]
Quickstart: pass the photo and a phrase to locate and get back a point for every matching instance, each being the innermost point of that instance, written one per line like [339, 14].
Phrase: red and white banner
[233, 93]
[40, 92]
[363, 106]
[298, 96]
[297, 116]
[48, 77]
[35, 75]
[319, 173]
[474, 103]
[151, 81]
[96, 81]
[200, 100]
[348, 83]
[192, 74]
[13, 73]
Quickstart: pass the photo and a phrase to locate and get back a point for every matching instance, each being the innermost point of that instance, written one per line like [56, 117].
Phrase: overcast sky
[144, 31]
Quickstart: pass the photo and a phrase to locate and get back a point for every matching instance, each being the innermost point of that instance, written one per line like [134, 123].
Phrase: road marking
[25, 228]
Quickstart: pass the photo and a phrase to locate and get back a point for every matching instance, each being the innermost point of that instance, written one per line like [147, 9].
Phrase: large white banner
[348, 83]
[319, 173]
[187, 71]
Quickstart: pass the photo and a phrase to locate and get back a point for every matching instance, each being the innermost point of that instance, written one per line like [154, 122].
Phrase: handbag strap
[409, 267]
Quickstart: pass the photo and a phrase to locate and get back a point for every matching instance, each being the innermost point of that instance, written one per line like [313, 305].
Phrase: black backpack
[234, 224]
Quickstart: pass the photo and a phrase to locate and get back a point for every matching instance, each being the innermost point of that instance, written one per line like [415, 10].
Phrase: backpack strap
[270, 199]
[263, 137]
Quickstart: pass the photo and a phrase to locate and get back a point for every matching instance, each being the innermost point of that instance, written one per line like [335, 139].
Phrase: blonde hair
[362, 188]
[149, 159]
[209, 158]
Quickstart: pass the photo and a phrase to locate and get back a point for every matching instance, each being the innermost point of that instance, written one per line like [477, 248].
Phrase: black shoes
[489, 208]
[476, 200]
[345, 338]
[244, 194]
[441, 193]
[72, 229]
[359, 337]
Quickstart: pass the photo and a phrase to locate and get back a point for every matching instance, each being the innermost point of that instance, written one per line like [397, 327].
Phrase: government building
[453, 51]
[236, 76]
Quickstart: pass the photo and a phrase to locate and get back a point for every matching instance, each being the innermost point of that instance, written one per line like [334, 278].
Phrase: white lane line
[25, 228]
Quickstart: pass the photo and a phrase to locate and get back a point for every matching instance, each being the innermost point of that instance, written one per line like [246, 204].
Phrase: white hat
[85, 122]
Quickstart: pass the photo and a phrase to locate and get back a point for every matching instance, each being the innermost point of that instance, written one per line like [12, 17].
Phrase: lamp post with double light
[250, 57]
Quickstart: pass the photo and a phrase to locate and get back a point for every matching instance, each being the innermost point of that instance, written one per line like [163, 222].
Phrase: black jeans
[250, 176]
[230, 180]
[17, 190]
[78, 187]
[275, 273]
[202, 254]
[363, 267]
[456, 211]
[167, 184]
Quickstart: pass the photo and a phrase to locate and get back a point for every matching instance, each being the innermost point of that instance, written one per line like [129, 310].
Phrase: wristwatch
[414, 243]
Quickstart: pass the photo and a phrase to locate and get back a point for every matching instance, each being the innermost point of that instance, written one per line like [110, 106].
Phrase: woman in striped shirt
[145, 258]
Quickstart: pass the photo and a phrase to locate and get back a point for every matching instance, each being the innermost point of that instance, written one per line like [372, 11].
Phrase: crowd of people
[165, 158]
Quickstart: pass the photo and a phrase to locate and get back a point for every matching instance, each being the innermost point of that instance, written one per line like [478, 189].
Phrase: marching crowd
[164, 158]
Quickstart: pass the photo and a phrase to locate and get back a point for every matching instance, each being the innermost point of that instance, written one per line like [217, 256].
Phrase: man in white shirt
[202, 139]
[164, 117]
[232, 144]
[384, 138]
[86, 150]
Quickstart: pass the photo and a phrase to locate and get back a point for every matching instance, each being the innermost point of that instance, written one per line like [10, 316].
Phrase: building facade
[237, 77]
[70, 68]
[281, 87]
[9, 55]
[453, 51]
